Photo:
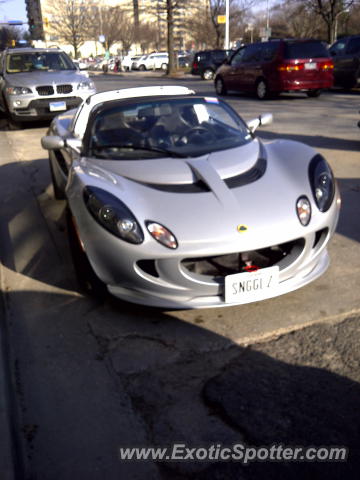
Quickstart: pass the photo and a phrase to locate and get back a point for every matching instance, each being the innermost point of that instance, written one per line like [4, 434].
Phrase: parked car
[138, 61]
[185, 61]
[277, 66]
[154, 61]
[127, 62]
[346, 56]
[81, 65]
[38, 83]
[206, 62]
[173, 201]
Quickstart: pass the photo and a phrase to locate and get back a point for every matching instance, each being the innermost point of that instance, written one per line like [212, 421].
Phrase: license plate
[57, 106]
[251, 286]
[310, 66]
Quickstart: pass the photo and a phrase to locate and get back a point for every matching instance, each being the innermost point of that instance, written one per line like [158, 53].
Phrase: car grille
[45, 90]
[62, 89]
[221, 265]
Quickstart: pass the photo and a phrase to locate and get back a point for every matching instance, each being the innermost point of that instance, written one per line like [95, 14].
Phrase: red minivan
[277, 66]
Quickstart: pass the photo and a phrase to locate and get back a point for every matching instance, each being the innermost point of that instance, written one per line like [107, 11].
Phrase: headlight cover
[322, 182]
[113, 215]
[18, 90]
[162, 234]
[85, 86]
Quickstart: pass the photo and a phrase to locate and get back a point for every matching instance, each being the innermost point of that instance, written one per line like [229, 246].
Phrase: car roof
[31, 50]
[125, 93]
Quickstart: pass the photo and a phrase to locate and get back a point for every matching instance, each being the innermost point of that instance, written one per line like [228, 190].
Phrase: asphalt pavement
[82, 378]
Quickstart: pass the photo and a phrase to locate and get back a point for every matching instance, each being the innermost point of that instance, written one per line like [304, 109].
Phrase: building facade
[147, 16]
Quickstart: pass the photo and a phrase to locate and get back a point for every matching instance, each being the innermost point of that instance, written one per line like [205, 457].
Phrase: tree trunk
[136, 19]
[170, 38]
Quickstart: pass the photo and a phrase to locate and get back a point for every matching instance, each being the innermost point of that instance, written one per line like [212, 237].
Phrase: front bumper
[150, 274]
[31, 107]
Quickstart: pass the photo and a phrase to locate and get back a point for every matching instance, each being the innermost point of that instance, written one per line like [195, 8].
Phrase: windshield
[30, 61]
[186, 127]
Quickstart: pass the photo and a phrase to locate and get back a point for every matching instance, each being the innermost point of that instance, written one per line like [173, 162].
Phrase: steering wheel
[198, 134]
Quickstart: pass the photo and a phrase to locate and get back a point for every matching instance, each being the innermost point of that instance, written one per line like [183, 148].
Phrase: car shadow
[152, 379]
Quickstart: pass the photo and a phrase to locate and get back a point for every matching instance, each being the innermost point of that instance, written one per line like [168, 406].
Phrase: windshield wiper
[165, 151]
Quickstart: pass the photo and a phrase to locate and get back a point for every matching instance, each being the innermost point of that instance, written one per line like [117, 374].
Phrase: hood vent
[197, 187]
[256, 172]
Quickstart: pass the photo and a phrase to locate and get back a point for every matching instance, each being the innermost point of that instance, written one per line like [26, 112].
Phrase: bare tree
[171, 11]
[238, 12]
[329, 11]
[112, 22]
[69, 21]
[7, 35]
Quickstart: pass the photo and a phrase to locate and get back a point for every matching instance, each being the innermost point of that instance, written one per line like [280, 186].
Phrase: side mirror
[52, 142]
[264, 119]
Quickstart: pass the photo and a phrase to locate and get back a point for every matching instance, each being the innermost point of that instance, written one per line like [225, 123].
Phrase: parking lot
[90, 377]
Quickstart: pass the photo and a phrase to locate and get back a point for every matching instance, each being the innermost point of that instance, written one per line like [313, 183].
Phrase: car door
[234, 73]
[251, 67]
[337, 51]
[351, 61]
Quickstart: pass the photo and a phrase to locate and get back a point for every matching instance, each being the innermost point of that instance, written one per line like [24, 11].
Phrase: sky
[13, 10]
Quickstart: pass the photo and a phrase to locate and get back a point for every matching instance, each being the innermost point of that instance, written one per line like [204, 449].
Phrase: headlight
[18, 90]
[162, 234]
[322, 182]
[85, 85]
[303, 210]
[113, 215]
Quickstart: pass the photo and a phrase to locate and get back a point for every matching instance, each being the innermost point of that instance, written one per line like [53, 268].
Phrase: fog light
[303, 210]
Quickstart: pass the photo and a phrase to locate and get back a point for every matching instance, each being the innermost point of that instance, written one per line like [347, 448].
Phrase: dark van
[346, 56]
[277, 66]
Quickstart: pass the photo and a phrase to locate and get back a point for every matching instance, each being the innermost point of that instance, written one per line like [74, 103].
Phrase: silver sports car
[173, 202]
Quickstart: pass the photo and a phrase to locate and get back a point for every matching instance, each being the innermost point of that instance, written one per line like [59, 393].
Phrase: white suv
[37, 84]
[154, 61]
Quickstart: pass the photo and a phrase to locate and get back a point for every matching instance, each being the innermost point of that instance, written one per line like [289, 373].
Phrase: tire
[262, 90]
[87, 279]
[313, 93]
[59, 193]
[142, 68]
[220, 86]
[207, 74]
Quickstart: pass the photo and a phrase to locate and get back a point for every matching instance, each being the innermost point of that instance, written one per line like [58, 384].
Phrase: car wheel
[313, 93]
[59, 192]
[207, 74]
[220, 87]
[142, 68]
[262, 90]
[88, 281]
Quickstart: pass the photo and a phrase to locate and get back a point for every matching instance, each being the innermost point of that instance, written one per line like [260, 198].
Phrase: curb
[11, 459]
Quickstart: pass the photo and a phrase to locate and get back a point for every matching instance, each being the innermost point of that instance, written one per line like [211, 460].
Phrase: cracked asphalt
[89, 377]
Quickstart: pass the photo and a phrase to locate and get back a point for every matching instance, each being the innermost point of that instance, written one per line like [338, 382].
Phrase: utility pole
[227, 25]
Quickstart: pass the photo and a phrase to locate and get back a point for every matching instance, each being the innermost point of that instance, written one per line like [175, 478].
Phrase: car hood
[211, 212]
[184, 171]
[45, 78]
